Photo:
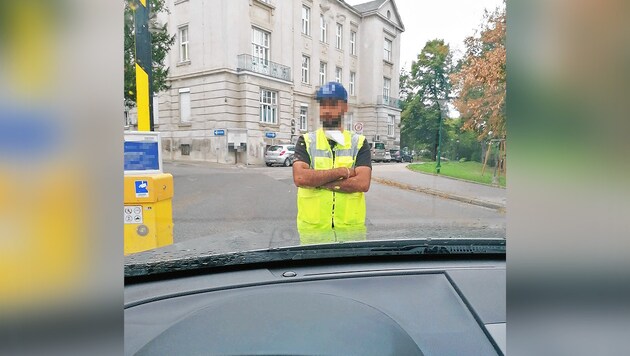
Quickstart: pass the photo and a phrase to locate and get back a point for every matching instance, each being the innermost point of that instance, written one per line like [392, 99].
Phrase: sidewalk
[398, 175]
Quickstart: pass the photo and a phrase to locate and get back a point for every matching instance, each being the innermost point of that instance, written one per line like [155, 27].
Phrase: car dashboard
[384, 307]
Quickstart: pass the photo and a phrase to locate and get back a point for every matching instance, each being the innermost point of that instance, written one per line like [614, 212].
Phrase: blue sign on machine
[270, 134]
[141, 156]
[142, 189]
[219, 132]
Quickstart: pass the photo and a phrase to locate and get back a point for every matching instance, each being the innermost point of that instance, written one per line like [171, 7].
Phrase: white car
[280, 154]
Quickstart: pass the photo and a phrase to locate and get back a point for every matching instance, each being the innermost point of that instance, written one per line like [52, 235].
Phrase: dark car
[399, 156]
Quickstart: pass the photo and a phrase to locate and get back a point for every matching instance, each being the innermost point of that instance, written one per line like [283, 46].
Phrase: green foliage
[422, 91]
[420, 124]
[161, 43]
[461, 143]
[430, 73]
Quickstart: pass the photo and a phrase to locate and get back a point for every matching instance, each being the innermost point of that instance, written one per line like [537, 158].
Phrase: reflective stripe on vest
[315, 206]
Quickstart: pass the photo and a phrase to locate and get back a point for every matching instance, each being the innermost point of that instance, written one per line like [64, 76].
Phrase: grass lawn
[463, 170]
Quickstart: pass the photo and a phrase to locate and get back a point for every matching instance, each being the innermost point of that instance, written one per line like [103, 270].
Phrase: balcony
[250, 63]
[389, 101]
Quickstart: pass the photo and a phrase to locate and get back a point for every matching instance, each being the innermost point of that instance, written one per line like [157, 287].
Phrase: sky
[450, 20]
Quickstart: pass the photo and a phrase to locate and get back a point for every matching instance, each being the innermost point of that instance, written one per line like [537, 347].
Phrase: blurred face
[331, 112]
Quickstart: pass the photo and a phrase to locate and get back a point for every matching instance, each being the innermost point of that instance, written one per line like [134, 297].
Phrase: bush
[425, 154]
[463, 159]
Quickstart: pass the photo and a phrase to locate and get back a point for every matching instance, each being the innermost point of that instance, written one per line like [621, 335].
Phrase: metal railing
[258, 65]
[389, 101]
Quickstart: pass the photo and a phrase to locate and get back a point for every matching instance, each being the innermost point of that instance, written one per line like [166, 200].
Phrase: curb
[211, 164]
[473, 201]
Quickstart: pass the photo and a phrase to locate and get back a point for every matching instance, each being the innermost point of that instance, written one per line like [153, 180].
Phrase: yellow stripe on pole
[142, 88]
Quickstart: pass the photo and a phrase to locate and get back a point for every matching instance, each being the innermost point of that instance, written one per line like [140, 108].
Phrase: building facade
[243, 74]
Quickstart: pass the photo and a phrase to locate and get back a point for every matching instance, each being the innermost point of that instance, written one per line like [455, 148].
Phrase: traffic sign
[358, 127]
[270, 134]
[219, 132]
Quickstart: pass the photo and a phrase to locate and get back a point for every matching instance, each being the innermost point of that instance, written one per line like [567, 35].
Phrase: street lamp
[441, 105]
[457, 150]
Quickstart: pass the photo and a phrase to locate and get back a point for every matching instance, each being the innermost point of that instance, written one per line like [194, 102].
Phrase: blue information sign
[270, 135]
[142, 189]
[141, 156]
[219, 132]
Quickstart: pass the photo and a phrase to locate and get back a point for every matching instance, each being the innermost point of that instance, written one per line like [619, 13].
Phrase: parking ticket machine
[148, 194]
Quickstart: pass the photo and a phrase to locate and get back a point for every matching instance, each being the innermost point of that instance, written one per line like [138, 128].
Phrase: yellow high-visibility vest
[320, 209]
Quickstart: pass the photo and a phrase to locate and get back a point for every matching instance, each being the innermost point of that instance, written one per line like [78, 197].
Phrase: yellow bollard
[148, 212]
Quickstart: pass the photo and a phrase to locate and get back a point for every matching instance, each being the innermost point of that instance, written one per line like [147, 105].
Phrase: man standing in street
[332, 170]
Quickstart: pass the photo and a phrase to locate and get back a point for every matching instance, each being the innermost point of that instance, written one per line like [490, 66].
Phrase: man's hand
[358, 182]
[305, 177]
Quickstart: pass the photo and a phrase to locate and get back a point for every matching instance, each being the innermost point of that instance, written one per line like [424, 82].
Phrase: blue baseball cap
[331, 90]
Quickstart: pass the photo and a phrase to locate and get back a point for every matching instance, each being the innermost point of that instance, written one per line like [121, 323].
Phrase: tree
[461, 143]
[422, 89]
[406, 89]
[419, 125]
[161, 43]
[430, 73]
[480, 79]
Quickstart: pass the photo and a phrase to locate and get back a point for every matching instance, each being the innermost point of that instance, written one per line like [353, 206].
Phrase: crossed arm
[345, 180]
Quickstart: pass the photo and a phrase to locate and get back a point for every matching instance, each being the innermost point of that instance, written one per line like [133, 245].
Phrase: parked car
[401, 156]
[379, 153]
[280, 154]
[388, 157]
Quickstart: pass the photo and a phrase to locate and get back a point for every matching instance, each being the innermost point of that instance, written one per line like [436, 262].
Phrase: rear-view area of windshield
[379, 146]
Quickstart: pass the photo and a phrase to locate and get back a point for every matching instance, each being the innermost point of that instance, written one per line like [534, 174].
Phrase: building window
[183, 44]
[387, 84]
[387, 54]
[323, 29]
[390, 125]
[260, 45]
[268, 106]
[322, 72]
[184, 105]
[338, 72]
[353, 43]
[306, 65]
[349, 121]
[303, 117]
[353, 77]
[339, 36]
[306, 20]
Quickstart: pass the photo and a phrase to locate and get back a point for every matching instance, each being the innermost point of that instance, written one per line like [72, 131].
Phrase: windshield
[259, 130]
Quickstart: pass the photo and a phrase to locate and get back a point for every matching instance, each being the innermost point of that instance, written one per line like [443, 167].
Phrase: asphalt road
[234, 208]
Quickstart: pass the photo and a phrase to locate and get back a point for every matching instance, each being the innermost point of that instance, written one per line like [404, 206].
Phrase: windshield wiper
[149, 263]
